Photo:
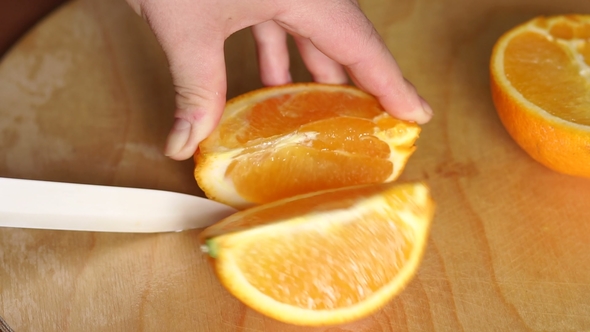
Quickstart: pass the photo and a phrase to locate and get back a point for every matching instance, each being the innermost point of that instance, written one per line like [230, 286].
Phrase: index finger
[346, 35]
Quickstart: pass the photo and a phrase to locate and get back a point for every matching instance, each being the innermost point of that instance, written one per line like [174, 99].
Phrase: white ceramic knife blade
[96, 208]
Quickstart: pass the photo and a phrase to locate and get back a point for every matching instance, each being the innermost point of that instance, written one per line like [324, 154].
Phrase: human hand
[334, 37]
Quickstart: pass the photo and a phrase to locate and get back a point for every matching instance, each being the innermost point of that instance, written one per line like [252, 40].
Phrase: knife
[97, 208]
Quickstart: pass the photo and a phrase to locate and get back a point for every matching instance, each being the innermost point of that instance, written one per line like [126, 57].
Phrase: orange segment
[282, 141]
[323, 258]
[540, 80]
[260, 178]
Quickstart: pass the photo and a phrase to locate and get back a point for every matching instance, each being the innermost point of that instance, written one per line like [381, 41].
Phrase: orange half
[278, 142]
[540, 82]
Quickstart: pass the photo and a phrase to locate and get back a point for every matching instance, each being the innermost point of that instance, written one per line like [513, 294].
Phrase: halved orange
[540, 82]
[323, 258]
[277, 142]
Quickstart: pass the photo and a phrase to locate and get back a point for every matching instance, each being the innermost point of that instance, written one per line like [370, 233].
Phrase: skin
[334, 37]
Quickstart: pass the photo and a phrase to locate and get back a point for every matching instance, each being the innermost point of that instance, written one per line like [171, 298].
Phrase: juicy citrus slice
[282, 141]
[323, 258]
[540, 81]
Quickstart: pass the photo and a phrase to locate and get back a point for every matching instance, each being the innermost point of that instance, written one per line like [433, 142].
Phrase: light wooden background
[86, 97]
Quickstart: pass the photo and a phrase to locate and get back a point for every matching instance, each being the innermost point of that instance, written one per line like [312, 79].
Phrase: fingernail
[426, 113]
[178, 137]
[426, 107]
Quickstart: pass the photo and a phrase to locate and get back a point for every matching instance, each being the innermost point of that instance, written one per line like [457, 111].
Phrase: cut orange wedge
[540, 81]
[323, 258]
[282, 141]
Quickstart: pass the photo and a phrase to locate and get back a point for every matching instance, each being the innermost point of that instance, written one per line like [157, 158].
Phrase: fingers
[328, 33]
[322, 68]
[197, 65]
[273, 55]
[348, 37]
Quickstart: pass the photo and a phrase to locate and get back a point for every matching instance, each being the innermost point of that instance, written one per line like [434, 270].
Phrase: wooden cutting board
[86, 97]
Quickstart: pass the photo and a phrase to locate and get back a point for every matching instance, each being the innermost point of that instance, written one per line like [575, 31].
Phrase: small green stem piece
[210, 247]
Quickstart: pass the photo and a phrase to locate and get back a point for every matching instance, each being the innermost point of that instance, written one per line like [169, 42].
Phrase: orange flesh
[547, 74]
[297, 169]
[284, 114]
[314, 268]
[346, 152]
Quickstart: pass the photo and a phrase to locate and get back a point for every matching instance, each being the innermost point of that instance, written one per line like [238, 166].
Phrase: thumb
[195, 55]
[200, 100]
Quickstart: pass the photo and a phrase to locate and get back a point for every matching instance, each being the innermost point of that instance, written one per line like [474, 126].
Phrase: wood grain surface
[86, 97]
